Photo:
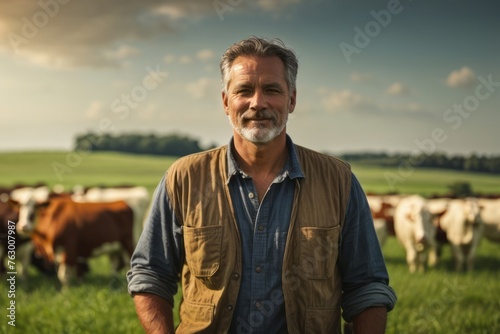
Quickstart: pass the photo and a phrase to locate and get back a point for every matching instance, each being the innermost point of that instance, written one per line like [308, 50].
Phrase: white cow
[490, 215]
[463, 227]
[416, 232]
[438, 206]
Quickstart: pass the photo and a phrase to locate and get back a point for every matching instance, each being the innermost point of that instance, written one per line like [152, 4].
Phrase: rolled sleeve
[365, 281]
[158, 257]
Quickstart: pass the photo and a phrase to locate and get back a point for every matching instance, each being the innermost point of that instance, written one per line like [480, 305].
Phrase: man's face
[258, 99]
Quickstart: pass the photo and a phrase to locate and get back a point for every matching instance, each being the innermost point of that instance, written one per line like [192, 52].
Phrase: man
[266, 236]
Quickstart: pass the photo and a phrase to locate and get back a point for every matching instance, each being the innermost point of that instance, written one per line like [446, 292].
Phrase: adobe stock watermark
[454, 117]
[47, 10]
[373, 28]
[223, 6]
[120, 108]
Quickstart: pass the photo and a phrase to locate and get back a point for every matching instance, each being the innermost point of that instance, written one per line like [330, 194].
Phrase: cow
[137, 198]
[9, 215]
[415, 231]
[463, 227]
[18, 205]
[27, 198]
[71, 232]
[382, 209]
[490, 216]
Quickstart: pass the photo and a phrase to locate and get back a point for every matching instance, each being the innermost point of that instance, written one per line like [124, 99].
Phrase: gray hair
[260, 47]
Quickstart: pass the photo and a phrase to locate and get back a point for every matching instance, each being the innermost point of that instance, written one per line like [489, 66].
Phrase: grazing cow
[8, 214]
[18, 205]
[415, 231]
[490, 216]
[70, 232]
[27, 198]
[137, 198]
[382, 208]
[462, 224]
[437, 207]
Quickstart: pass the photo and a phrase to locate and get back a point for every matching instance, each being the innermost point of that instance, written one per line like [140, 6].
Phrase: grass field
[439, 301]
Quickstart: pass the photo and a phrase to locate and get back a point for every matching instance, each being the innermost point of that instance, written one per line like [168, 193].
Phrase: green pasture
[109, 168]
[438, 301]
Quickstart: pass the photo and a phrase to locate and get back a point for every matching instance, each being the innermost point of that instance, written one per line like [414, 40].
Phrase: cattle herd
[423, 225]
[57, 231]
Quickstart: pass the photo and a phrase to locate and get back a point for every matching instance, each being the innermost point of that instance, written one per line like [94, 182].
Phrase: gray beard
[258, 135]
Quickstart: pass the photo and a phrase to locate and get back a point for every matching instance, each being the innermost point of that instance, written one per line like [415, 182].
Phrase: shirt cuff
[140, 281]
[371, 295]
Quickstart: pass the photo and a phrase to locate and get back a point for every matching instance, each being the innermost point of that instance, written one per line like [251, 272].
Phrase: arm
[365, 281]
[371, 321]
[156, 264]
[155, 314]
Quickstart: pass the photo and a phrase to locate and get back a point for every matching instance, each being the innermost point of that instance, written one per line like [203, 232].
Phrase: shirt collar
[292, 167]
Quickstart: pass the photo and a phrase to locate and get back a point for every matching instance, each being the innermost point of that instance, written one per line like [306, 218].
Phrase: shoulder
[313, 159]
[197, 160]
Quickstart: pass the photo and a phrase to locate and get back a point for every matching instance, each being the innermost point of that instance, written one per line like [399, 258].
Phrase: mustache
[258, 115]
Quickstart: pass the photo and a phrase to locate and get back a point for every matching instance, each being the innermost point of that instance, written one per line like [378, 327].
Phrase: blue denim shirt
[157, 260]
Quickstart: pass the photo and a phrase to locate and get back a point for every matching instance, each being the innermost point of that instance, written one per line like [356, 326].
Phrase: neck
[259, 159]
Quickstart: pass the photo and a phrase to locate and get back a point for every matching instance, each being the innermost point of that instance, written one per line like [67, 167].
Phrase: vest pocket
[318, 251]
[203, 249]
[195, 317]
[321, 320]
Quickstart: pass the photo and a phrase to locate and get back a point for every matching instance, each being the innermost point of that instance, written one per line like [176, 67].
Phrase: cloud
[398, 89]
[148, 113]
[360, 77]
[77, 33]
[205, 54]
[346, 100]
[185, 59]
[123, 52]
[276, 5]
[202, 88]
[94, 110]
[462, 78]
[68, 34]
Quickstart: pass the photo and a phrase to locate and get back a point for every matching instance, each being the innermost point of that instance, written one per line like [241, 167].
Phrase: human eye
[243, 91]
[274, 89]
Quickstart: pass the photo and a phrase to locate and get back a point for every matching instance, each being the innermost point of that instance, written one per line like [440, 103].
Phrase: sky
[396, 76]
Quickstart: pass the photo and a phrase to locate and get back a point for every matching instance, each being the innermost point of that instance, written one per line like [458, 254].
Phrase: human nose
[258, 101]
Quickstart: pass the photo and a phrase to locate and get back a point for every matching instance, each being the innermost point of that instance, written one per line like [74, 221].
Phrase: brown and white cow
[382, 208]
[137, 198]
[70, 232]
[463, 227]
[416, 232]
[17, 205]
[9, 214]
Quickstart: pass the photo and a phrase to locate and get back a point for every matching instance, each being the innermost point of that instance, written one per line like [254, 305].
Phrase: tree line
[166, 145]
[473, 162]
[180, 145]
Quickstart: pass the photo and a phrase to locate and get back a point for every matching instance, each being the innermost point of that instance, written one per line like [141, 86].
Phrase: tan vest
[311, 282]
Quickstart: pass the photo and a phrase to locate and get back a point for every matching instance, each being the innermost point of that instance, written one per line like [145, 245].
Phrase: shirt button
[258, 269]
[251, 195]
[236, 275]
[260, 227]
[258, 304]
[229, 307]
